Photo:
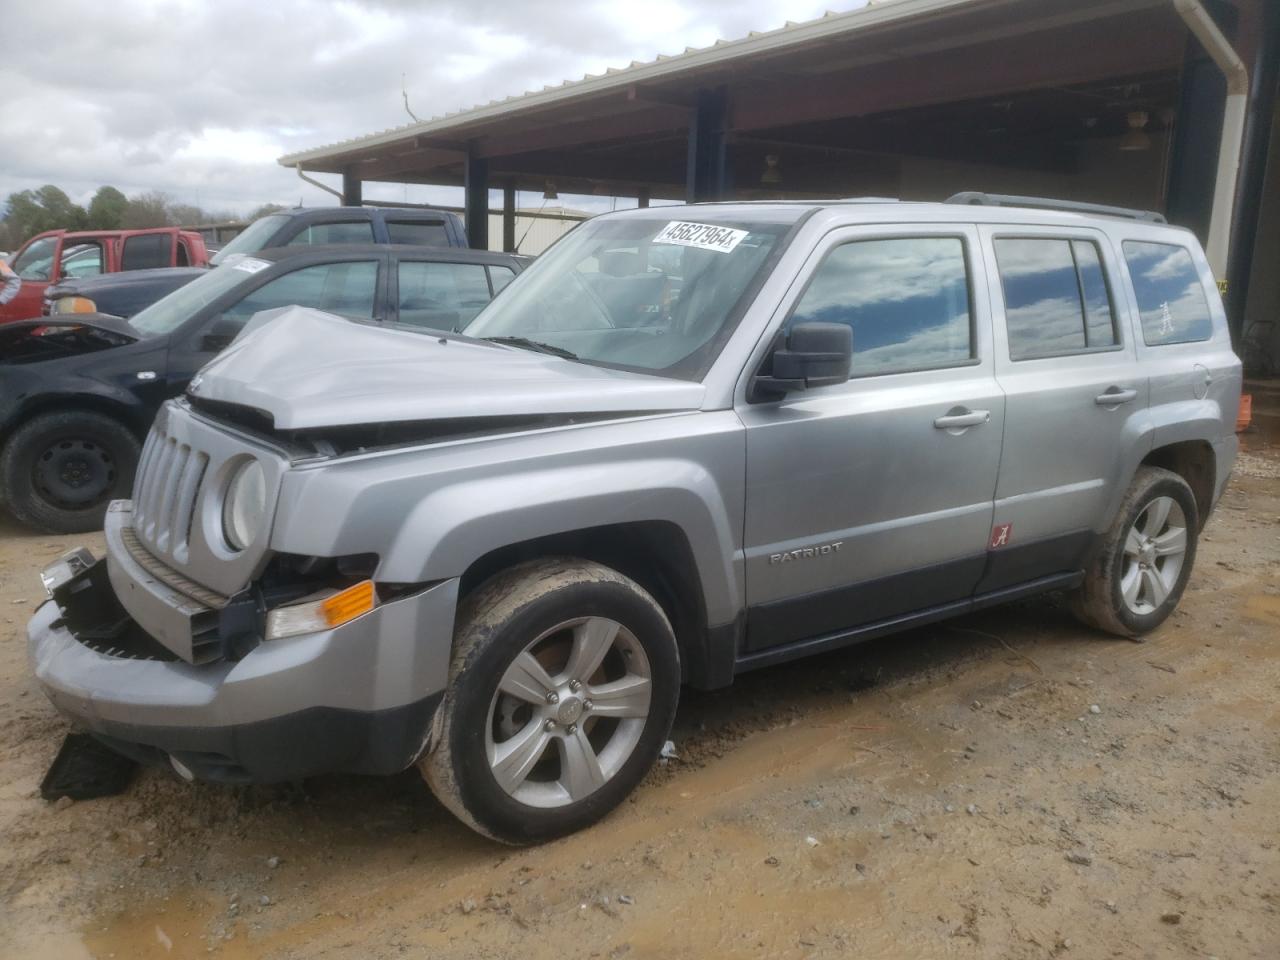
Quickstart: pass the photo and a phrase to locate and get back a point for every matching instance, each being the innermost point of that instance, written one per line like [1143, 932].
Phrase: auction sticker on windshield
[704, 236]
[250, 265]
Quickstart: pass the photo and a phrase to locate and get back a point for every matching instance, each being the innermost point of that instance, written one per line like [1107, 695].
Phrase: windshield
[253, 238]
[167, 313]
[654, 296]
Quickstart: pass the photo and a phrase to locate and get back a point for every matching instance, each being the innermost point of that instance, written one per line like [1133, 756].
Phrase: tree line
[29, 212]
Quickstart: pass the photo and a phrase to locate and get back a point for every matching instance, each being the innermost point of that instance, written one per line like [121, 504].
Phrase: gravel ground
[1005, 785]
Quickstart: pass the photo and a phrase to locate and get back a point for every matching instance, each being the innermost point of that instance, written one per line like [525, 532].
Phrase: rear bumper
[356, 699]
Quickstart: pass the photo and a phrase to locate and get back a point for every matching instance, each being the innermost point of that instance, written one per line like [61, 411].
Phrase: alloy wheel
[1154, 551]
[568, 712]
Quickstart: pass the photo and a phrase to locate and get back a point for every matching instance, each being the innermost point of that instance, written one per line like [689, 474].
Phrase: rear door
[1075, 395]
[872, 499]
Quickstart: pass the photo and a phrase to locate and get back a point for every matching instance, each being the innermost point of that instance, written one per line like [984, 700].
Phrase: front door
[873, 499]
[1076, 397]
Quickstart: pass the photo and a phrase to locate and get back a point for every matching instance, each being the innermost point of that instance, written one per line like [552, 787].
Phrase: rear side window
[443, 296]
[1056, 300]
[1171, 299]
[907, 300]
[427, 233]
[146, 252]
[353, 231]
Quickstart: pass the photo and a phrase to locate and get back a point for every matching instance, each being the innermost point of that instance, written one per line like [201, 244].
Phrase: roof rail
[976, 198]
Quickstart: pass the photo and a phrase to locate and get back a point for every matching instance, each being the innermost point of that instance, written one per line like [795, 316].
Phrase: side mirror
[815, 355]
[219, 334]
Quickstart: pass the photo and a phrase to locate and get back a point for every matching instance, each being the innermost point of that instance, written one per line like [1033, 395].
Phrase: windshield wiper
[535, 345]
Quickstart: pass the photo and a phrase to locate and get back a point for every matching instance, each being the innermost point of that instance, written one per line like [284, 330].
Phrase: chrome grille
[177, 498]
[164, 497]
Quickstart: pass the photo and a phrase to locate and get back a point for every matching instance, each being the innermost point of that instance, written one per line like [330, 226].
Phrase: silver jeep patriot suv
[685, 443]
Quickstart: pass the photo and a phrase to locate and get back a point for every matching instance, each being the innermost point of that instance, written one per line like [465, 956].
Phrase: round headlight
[245, 505]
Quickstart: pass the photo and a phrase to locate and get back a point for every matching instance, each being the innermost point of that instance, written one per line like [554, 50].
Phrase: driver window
[36, 262]
[906, 298]
[346, 289]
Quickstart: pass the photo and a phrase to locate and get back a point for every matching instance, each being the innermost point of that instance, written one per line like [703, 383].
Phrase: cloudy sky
[198, 98]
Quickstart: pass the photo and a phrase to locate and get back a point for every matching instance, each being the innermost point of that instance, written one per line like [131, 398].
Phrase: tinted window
[1171, 300]
[1055, 297]
[500, 277]
[36, 262]
[430, 233]
[343, 288]
[360, 231]
[184, 256]
[444, 296]
[906, 299]
[145, 252]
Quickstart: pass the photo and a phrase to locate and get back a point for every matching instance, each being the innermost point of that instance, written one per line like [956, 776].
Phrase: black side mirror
[219, 334]
[815, 355]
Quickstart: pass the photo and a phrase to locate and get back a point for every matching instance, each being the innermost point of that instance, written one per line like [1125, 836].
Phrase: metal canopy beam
[476, 189]
[707, 173]
[352, 194]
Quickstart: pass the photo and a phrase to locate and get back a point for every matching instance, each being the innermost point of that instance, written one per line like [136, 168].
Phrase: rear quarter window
[1171, 298]
[426, 233]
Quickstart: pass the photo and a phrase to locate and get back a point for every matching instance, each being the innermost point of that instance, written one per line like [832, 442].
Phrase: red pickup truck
[59, 255]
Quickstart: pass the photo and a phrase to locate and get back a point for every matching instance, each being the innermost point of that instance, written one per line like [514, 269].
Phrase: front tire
[1141, 568]
[562, 689]
[60, 470]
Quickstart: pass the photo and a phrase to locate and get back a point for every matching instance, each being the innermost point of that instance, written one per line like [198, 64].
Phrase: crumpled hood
[309, 369]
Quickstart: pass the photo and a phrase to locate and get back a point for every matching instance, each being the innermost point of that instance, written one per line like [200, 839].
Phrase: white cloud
[197, 99]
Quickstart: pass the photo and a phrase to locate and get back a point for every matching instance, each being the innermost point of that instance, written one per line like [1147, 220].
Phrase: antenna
[404, 93]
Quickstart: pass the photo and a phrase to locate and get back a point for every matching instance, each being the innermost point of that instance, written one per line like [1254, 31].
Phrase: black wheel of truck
[1137, 576]
[562, 689]
[60, 470]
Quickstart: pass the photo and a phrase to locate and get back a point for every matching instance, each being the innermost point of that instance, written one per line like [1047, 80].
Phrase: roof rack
[976, 198]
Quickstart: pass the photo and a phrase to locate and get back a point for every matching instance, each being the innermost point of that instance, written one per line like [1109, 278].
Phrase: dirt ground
[1007, 785]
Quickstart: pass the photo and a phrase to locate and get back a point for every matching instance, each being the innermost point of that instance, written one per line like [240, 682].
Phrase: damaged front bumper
[359, 698]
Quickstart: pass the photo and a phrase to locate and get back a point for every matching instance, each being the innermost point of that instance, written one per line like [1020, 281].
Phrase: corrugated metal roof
[876, 12]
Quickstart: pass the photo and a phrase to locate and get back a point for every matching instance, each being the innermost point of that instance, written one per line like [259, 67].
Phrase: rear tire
[562, 689]
[1141, 568]
[60, 470]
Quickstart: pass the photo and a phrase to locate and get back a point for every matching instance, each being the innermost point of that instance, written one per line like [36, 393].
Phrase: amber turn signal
[348, 604]
[74, 305]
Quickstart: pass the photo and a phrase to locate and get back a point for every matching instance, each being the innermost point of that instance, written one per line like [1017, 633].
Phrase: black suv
[78, 391]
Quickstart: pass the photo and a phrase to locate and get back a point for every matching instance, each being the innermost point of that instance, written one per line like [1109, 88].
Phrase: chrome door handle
[954, 421]
[1115, 396]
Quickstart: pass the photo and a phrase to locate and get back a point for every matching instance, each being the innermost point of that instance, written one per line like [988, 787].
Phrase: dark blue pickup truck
[124, 294]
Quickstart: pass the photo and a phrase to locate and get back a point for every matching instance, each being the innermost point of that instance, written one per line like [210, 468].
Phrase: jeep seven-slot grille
[168, 481]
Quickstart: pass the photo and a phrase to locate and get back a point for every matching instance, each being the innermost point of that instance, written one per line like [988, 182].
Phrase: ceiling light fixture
[772, 175]
[1136, 137]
